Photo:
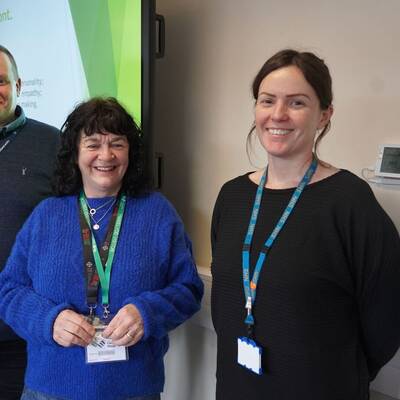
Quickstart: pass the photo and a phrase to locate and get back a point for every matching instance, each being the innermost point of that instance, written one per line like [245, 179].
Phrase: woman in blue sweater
[99, 274]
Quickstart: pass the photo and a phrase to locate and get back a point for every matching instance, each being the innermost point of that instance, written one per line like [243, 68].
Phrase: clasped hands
[125, 329]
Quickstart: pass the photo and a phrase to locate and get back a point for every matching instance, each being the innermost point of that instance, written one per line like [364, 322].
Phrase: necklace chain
[93, 211]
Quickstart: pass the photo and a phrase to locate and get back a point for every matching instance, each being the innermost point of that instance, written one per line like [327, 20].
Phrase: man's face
[10, 86]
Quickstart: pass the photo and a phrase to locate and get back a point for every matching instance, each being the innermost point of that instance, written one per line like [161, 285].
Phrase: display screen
[391, 160]
[70, 50]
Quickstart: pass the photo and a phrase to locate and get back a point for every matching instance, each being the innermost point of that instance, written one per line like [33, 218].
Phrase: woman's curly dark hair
[99, 115]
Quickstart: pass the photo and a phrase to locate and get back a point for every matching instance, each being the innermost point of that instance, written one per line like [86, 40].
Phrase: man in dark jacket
[27, 156]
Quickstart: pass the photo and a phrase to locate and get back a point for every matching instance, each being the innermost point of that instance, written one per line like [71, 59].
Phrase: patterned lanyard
[103, 270]
[250, 287]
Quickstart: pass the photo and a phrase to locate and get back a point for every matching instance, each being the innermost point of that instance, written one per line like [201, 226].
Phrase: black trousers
[12, 369]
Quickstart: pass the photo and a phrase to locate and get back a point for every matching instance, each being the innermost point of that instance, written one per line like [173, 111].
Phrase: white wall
[191, 360]
[204, 108]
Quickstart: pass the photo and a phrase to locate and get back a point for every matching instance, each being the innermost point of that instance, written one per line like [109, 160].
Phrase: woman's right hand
[72, 329]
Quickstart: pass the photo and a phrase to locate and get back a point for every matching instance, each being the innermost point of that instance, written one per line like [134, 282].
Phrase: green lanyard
[104, 272]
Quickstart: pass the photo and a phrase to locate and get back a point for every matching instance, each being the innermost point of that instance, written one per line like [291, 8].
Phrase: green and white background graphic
[70, 50]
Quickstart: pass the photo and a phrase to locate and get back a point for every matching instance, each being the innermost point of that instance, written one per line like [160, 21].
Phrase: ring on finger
[129, 335]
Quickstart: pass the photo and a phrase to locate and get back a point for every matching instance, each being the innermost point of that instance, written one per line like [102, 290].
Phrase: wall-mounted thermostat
[388, 162]
[386, 171]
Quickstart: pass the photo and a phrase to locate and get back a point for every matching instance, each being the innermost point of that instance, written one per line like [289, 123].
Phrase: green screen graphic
[108, 33]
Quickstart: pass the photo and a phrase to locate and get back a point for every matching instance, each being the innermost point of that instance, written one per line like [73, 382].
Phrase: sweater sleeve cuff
[145, 312]
[49, 322]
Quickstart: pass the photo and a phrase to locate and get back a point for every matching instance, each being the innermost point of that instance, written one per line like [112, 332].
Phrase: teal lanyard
[250, 287]
[104, 272]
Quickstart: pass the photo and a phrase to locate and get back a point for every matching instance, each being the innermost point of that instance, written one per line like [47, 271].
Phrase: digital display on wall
[391, 160]
[70, 50]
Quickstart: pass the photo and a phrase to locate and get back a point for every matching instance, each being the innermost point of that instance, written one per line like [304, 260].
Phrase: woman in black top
[325, 312]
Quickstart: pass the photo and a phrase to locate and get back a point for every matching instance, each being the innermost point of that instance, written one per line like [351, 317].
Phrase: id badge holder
[249, 355]
[102, 350]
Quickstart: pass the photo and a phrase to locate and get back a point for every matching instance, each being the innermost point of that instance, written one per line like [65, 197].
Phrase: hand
[126, 328]
[71, 328]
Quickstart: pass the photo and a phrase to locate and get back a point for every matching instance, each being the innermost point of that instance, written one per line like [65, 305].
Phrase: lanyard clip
[249, 319]
[92, 307]
[91, 315]
[248, 305]
[106, 311]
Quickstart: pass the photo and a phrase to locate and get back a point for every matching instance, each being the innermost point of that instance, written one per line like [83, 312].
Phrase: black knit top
[327, 312]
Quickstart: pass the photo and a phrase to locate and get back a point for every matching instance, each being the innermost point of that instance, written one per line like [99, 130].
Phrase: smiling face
[103, 160]
[288, 114]
[10, 86]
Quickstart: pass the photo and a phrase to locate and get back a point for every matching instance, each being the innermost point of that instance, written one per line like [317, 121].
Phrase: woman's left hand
[126, 328]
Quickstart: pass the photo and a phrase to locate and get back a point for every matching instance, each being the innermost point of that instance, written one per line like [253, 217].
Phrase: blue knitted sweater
[153, 269]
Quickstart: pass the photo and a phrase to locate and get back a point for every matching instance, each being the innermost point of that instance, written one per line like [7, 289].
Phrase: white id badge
[249, 354]
[101, 350]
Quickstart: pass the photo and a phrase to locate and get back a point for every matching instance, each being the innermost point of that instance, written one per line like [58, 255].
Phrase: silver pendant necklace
[93, 211]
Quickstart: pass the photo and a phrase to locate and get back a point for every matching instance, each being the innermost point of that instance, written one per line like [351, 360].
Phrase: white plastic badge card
[101, 350]
[249, 355]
